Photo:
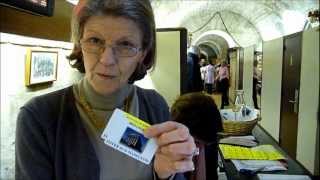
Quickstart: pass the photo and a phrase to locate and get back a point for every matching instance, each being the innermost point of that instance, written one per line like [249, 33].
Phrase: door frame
[282, 90]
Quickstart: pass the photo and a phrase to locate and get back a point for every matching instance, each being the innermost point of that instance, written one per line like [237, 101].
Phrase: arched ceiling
[209, 49]
[217, 43]
[248, 21]
[243, 31]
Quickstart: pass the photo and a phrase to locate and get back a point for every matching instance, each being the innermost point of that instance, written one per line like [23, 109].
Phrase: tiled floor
[217, 98]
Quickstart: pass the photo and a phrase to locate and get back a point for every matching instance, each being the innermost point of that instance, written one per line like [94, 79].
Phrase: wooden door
[290, 93]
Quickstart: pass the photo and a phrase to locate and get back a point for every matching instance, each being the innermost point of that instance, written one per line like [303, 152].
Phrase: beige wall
[308, 125]
[14, 93]
[309, 102]
[234, 71]
[248, 74]
[271, 86]
[166, 76]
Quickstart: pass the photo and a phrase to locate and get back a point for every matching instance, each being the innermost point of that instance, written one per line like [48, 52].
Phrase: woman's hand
[176, 148]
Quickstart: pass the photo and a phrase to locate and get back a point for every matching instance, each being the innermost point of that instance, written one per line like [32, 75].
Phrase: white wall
[248, 74]
[271, 86]
[14, 93]
[309, 101]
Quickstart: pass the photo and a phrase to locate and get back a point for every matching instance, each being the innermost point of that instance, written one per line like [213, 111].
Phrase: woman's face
[109, 69]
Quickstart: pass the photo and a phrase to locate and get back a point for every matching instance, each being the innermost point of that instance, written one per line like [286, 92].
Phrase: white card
[124, 132]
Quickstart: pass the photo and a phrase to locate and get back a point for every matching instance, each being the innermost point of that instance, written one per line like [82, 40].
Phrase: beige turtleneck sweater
[114, 165]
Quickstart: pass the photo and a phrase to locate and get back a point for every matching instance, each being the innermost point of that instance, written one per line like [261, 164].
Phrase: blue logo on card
[134, 140]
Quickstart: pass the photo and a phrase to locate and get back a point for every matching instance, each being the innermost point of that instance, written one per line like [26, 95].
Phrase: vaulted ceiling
[237, 22]
[219, 24]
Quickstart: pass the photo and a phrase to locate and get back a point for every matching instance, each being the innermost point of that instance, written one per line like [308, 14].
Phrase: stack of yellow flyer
[262, 152]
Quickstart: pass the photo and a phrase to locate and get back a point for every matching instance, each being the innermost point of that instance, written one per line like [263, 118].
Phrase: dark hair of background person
[200, 114]
[139, 11]
[224, 63]
[210, 61]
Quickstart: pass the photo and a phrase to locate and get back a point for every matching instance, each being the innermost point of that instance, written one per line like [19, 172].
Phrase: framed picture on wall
[41, 67]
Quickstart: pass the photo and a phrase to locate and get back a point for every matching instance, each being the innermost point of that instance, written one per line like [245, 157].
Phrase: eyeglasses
[98, 46]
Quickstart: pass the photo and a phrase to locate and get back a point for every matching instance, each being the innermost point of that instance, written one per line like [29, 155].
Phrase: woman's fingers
[184, 149]
[179, 134]
[165, 166]
[183, 166]
[176, 148]
[158, 129]
[168, 132]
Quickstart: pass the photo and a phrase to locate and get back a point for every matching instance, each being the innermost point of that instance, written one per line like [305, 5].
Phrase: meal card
[124, 132]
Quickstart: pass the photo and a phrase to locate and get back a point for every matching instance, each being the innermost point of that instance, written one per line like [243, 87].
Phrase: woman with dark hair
[59, 134]
[200, 114]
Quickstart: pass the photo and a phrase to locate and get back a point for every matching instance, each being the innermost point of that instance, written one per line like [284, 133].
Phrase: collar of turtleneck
[103, 102]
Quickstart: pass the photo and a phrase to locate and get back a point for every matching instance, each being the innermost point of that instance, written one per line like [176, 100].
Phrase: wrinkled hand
[176, 148]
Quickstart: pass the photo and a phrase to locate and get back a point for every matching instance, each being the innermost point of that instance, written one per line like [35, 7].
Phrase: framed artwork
[40, 7]
[41, 66]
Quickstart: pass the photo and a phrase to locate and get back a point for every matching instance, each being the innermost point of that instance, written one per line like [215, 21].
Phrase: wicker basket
[236, 127]
[231, 127]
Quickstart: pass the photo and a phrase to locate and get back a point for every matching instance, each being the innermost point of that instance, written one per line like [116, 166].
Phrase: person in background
[194, 82]
[223, 78]
[203, 65]
[58, 135]
[190, 65]
[255, 83]
[200, 114]
[216, 69]
[209, 77]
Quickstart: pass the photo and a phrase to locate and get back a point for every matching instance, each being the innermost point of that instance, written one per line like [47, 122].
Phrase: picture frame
[40, 67]
[38, 7]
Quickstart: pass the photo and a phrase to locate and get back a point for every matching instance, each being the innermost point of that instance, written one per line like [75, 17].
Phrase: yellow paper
[262, 152]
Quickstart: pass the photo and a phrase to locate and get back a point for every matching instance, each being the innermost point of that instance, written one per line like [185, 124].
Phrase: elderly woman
[58, 134]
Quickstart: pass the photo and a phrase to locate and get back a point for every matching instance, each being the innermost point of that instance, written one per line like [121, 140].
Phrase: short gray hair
[139, 11]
